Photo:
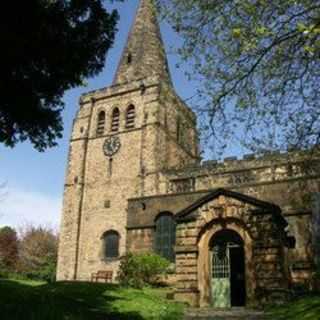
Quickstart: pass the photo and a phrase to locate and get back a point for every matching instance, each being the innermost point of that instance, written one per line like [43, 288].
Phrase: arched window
[130, 117]
[115, 120]
[101, 123]
[165, 236]
[111, 244]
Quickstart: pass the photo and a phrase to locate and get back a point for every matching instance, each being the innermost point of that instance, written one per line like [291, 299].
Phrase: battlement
[247, 162]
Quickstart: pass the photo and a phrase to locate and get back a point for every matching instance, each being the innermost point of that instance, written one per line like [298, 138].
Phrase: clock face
[111, 145]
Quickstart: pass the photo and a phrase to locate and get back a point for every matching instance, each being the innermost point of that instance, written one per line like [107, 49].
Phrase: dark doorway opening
[237, 276]
[228, 287]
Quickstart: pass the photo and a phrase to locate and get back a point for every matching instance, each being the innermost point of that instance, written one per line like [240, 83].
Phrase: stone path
[230, 314]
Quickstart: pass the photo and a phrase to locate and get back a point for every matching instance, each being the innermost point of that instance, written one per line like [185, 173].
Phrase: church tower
[124, 138]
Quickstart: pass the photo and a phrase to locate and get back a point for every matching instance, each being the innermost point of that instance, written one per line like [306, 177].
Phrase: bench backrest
[106, 274]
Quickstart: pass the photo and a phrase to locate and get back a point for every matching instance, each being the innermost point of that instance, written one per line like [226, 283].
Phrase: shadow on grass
[306, 308]
[65, 300]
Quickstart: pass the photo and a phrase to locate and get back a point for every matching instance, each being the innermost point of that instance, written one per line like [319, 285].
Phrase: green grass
[305, 308]
[30, 300]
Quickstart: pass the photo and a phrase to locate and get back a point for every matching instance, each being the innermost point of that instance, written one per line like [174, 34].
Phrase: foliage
[138, 270]
[38, 253]
[304, 308]
[46, 271]
[4, 273]
[76, 301]
[8, 250]
[49, 47]
[316, 279]
[258, 67]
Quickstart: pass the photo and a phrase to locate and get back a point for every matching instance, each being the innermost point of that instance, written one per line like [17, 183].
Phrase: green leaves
[264, 72]
[236, 32]
[51, 46]
[138, 270]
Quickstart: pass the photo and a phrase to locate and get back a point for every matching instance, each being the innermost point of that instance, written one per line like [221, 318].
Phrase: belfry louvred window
[101, 123]
[115, 120]
[111, 244]
[165, 236]
[130, 117]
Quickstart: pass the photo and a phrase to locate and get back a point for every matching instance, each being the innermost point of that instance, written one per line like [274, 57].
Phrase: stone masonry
[146, 150]
[272, 201]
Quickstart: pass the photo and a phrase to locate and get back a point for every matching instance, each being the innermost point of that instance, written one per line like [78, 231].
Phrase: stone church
[239, 232]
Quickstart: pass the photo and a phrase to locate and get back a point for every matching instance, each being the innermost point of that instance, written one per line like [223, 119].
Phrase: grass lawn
[306, 308]
[26, 300]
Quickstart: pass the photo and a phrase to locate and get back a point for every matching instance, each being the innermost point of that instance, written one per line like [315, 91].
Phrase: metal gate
[220, 283]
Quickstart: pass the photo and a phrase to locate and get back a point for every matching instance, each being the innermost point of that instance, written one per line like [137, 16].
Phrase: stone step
[215, 317]
[230, 314]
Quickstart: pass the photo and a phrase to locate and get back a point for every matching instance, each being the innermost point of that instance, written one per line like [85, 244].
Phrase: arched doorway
[227, 269]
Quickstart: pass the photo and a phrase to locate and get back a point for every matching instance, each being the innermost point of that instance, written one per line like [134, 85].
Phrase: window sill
[110, 259]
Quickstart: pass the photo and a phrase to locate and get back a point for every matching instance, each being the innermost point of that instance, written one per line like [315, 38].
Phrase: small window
[165, 236]
[110, 167]
[101, 123]
[115, 120]
[129, 58]
[178, 130]
[111, 244]
[130, 117]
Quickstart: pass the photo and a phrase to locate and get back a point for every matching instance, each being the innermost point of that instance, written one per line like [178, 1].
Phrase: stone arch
[204, 264]
[260, 225]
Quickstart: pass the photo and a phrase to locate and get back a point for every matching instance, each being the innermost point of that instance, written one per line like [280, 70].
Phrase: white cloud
[20, 207]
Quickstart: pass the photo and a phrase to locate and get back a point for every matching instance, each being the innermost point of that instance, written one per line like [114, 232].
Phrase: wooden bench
[103, 275]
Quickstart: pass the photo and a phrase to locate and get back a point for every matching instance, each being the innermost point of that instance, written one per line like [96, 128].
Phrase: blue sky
[34, 181]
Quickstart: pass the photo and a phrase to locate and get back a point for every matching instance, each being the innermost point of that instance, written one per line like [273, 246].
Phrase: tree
[38, 252]
[258, 65]
[8, 248]
[48, 47]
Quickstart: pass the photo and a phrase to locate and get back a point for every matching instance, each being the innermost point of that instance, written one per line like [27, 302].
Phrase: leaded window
[115, 120]
[165, 236]
[101, 123]
[111, 244]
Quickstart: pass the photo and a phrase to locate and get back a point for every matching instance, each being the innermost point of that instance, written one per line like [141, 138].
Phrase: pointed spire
[144, 54]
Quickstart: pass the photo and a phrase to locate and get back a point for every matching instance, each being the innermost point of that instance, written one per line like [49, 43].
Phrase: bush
[38, 253]
[138, 270]
[4, 272]
[45, 272]
[8, 249]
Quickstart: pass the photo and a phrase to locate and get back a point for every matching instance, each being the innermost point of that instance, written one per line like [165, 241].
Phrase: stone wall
[263, 233]
[288, 183]
[287, 180]
[97, 186]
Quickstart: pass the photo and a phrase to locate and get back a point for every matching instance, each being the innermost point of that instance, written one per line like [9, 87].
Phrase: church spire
[144, 54]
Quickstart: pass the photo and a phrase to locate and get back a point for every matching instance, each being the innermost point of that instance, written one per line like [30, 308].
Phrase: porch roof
[263, 207]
